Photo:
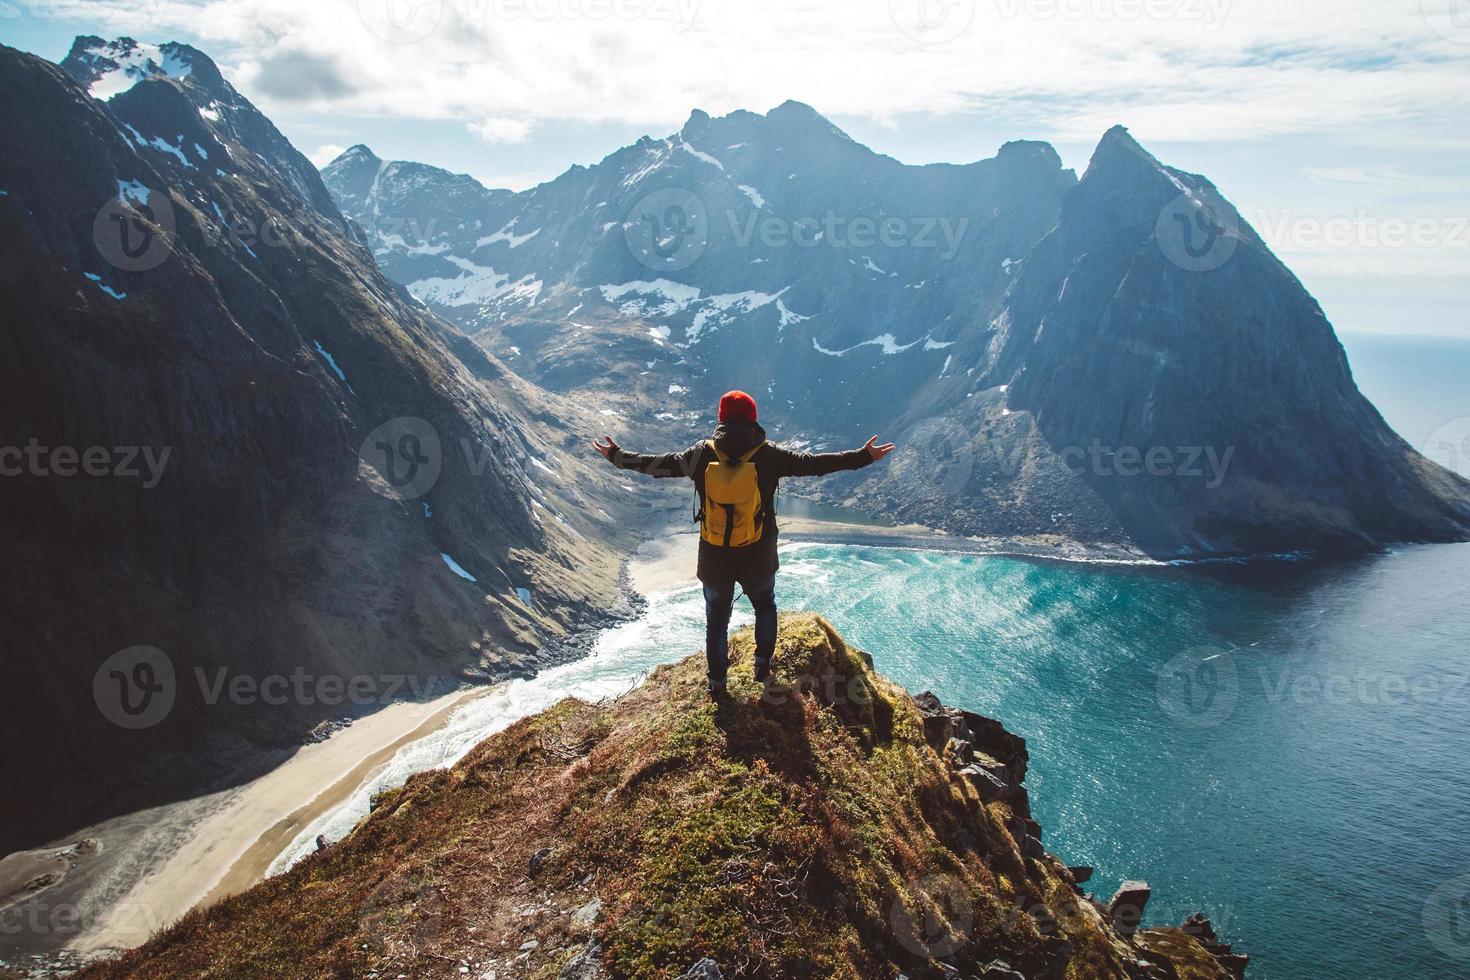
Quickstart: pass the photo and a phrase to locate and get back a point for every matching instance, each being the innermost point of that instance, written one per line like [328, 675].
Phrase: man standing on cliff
[735, 476]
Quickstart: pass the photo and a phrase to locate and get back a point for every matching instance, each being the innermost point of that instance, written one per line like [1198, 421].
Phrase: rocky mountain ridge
[1117, 360]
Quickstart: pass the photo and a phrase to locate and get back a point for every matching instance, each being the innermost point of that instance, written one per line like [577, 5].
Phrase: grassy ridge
[814, 830]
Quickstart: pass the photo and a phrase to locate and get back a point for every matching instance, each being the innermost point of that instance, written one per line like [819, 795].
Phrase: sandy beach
[232, 846]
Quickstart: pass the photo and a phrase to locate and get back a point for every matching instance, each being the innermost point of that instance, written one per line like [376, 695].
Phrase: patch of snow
[506, 235]
[937, 344]
[723, 306]
[700, 155]
[210, 112]
[678, 390]
[133, 66]
[479, 285]
[753, 194]
[947, 360]
[457, 568]
[537, 462]
[524, 594]
[868, 264]
[104, 287]
[787, 317]
[883, 342]
[331, 361]
[659, 152]
[133, 190]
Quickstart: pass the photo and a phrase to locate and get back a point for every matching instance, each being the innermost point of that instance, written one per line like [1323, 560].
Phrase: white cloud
[325, 154]
[1065, 69]
[501, 129]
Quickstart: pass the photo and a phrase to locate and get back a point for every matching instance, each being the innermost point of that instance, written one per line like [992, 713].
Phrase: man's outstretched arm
[820, 464]
[662, 465]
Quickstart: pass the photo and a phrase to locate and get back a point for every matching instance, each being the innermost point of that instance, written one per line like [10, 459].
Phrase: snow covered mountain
[736, 235]
[1029, 338]
[243, 448]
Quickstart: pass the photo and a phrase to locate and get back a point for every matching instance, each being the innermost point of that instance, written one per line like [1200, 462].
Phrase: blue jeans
[718, 600]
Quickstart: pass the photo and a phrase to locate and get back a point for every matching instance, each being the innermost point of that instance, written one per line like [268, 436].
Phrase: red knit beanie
[737, 406]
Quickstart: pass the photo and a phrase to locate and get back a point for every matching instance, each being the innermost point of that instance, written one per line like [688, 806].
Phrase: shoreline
[231, 842]
[666, 561]
[231, 839]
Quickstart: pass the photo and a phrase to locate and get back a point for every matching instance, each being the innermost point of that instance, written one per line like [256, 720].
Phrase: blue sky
[1339, 129]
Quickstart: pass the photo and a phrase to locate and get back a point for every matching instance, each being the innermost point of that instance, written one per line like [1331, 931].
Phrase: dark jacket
[772, 464]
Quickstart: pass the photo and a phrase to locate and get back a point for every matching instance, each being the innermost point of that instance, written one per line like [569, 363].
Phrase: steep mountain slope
[242, 449]
[1154, 320]
[1119, 360]
[830, 827]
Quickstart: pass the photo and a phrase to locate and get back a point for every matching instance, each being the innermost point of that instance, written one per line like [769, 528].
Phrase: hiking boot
[716, 688]
[762, 671]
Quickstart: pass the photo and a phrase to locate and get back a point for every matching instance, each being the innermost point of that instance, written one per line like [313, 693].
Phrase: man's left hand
[876, 451]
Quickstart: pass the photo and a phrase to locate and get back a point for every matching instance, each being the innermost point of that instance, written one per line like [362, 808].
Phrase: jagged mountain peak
[798, 117]
[109, 68]
[697, 121]
[170, 96]
[355, 152]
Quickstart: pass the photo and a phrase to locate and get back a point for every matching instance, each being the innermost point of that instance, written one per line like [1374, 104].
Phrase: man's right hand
[607, 450]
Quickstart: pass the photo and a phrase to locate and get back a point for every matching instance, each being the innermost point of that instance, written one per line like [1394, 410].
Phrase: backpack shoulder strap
[747, 457]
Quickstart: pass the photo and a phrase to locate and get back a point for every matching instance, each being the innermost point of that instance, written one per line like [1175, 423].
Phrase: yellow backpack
[731, 513]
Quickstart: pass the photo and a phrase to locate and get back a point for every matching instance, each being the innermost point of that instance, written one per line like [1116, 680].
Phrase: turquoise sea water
[1308, 787]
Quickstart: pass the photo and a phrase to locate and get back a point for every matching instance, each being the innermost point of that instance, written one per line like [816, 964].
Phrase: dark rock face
[1119, 360]
[197, 360]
